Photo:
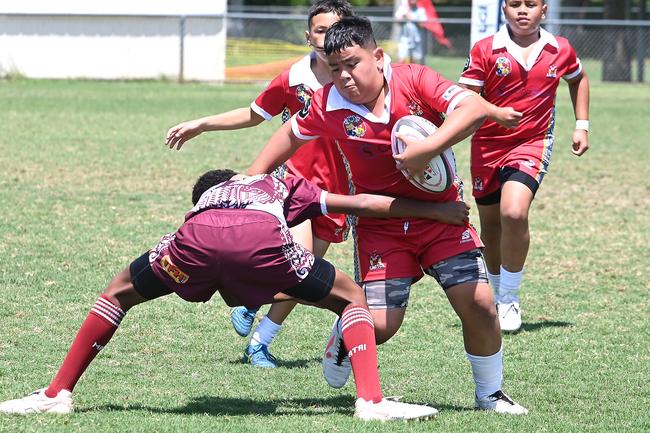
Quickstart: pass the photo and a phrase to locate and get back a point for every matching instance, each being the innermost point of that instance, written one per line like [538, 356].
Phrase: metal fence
[260, 40]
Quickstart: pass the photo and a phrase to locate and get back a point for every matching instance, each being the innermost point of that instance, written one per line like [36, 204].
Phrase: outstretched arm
[579, 90]
[235, 119]
[280, 147]
[379, 206]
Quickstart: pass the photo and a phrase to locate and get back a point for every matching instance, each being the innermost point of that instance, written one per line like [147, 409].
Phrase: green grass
[87, 185]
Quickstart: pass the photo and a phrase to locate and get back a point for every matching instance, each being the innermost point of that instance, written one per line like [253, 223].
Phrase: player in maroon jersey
[358, 110]
[520, 66]
[287, 94]
[236, 241]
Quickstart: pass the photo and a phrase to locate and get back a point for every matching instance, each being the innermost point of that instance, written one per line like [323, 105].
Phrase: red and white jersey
[496, 64]
[365, 138]
[289, 93]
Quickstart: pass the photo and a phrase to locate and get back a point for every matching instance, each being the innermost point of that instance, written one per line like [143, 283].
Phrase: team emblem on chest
[552, 71]
[354, 126]
[301, 94]
[414, 108]
[503, 66]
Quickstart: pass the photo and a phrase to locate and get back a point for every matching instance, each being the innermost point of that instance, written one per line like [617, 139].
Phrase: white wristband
[582, 124]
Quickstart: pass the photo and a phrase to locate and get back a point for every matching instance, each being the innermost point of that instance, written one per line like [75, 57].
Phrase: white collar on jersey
[301, 73]
[502, 40]
[335, 101]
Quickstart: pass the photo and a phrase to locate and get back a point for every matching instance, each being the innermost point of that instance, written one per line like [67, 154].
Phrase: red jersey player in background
[519, 66]
[236, 241]
[287, 94]
[358, 110]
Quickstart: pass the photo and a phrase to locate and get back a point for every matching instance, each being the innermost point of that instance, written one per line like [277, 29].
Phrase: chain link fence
[261, 45]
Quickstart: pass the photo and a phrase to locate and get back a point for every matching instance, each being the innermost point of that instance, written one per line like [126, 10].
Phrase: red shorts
[322, 163]
[530, 157]
[402, 248]
[244, 253]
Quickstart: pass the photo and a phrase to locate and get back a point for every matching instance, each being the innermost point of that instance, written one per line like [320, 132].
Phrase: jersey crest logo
[552, 71]
[301, 94]
[173, 271]
[503, 66]
[354, 126]
[468, 62]
[375, 262]
[414, 108]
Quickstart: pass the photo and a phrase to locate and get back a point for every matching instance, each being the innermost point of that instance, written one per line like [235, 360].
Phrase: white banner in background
[487, 18]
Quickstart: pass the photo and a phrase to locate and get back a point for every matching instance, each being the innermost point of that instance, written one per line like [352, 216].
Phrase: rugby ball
[441, 170]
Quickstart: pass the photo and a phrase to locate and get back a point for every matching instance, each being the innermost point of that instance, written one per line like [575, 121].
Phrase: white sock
[494, 280]
[487, 372]
[509, 285]
[265, 332]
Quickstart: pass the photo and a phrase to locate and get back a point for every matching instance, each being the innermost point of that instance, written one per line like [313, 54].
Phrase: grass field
[87, 185]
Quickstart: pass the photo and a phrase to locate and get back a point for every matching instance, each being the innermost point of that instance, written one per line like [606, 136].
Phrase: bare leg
[516, 199]
[491, 236]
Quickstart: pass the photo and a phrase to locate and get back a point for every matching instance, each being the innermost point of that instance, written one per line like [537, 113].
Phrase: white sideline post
[113, 39]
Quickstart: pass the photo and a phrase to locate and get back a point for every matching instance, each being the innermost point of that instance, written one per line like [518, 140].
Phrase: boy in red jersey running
[287, 94]
[236, 240]
[521, 66]
[358, 110]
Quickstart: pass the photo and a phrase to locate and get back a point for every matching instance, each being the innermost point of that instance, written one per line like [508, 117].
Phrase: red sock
[359, 339]
[94, 334]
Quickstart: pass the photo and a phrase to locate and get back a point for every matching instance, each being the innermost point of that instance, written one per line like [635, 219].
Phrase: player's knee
[120, 291]
[384, 332]
[514, 216]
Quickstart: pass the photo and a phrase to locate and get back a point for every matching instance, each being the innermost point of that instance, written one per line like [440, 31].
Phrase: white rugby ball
[441, 170]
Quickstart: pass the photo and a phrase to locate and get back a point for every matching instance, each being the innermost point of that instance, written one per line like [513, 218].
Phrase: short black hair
[348, 32]
[340, 7]
[209, 179]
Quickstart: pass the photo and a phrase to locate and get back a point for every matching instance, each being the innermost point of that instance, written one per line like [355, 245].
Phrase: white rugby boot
[38, 402]
[509, 314]
[336, 363]
[389, 410]
[499, 403]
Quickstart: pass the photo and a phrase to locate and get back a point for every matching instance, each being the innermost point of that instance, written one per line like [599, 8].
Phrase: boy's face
[524, 16]
[357, 73]
[316, 33]
[413, 3]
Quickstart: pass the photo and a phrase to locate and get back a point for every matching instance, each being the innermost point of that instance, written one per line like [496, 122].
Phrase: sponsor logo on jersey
[305, 110]
[465, 237]
[375, 262]
[354, 126]
[414, 108]
[173, 271]
[529, 163]
[503, 66]
[451, 92]
[552, 71]
[468, 62]
[478, 183]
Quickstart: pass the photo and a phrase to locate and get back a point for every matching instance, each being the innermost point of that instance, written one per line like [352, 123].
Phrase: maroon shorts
[245, 254]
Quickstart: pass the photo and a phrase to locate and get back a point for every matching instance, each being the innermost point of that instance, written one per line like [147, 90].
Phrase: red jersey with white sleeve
[496, 64]
[320, 162]
[364, 139]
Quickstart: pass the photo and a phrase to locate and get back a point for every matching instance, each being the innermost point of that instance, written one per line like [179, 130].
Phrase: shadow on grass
[222, 406]
[289, 364]
[534, 326]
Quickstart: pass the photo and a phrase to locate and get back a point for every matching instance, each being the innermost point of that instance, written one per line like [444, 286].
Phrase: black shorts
[145, 282]
[509, 174]
[317, 284]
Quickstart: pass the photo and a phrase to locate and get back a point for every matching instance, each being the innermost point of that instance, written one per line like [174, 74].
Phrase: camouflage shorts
[467, 267]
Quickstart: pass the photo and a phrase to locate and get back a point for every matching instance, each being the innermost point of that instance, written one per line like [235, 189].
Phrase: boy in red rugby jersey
[521, 66]
[289, 93]
[358, 110]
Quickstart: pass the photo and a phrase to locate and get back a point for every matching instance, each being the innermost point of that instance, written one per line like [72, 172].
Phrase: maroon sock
[359, 339]
[95, 332]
